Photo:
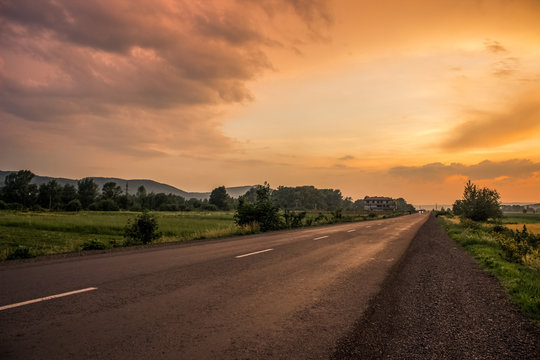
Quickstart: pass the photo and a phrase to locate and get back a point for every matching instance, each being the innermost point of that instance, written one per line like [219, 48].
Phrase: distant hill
[133, 185]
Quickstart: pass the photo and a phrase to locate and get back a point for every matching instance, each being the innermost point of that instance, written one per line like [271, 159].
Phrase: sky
[391, 98]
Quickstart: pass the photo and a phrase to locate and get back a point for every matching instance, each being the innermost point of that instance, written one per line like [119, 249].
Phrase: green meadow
[45, 233]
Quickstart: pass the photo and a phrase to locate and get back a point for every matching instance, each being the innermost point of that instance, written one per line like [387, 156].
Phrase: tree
[69, 193]
[141, 197]
[88, 191]
[50, 195]
[263, 211]
[17, 188]
[478, 204]
[111, 191]
[220, 198]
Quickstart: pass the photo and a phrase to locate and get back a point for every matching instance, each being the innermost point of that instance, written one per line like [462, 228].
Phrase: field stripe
[46, 298]
[253, 253]
[321, 237]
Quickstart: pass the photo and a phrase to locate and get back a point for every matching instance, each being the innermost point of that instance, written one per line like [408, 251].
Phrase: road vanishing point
[298, 294]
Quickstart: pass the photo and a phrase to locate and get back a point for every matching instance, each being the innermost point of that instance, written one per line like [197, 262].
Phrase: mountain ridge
[133, 185]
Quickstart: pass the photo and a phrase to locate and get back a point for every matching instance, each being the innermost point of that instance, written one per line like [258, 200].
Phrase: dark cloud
[68, 62]
[516, 168]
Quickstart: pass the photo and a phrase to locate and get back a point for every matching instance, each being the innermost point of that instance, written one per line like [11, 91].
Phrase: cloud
[519, 121]
[506, 67]
[173, 65]
[515, 168]
[347, 157]
[494, 47]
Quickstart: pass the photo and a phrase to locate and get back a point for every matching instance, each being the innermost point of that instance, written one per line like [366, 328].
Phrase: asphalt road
[291, 294]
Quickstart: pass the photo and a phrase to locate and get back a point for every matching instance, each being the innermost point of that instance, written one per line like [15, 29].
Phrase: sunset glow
[394, 98]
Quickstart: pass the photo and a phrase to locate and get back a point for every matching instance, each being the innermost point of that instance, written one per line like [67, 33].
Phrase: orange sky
[388, 98]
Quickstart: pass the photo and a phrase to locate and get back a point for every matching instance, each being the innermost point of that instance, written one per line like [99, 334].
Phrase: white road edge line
[352, 230]
[46, 298]
[253, 253]
[321, 237]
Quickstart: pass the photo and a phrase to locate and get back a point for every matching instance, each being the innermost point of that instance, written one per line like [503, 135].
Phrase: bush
[74, 205]
[168, 207]
[209, 207]
[93, 245]
[520, 246]
[142, 230]
[3, 205]
[21, 252]
[36, 208]
[263, 211]
[15, 206]
[293, 219]
[104, 205]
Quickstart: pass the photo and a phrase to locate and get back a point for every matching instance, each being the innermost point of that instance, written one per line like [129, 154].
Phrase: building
[379, 203]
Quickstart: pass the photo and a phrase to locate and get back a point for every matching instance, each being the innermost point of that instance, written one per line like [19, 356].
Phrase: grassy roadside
[30, 234]
[511, 256]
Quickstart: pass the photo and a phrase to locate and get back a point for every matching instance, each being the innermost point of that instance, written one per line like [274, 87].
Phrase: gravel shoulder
[439, 304]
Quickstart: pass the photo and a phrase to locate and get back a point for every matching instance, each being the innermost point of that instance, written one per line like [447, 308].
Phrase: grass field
[520, 279]
[50, 233]
[517, 218]
[515, 221]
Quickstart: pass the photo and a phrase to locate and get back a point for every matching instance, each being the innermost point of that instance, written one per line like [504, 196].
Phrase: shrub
[321, 218]
[143, 229]
[263, 211]
[74, 205]
[104, 205]
[293, 219]
[36, 208]
[93, 245]
[209, 207]
[15, 206]
[337, 216]
[21, 252]
[168, 207]
[3, 205]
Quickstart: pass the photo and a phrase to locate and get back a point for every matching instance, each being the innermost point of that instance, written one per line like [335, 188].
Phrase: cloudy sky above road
[372, 97]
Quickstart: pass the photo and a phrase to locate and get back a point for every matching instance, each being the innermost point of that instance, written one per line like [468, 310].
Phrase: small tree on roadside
[478, 204]
[143, 229]
[262, 212]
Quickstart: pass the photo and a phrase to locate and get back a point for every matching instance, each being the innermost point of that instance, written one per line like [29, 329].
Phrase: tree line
[19, 193]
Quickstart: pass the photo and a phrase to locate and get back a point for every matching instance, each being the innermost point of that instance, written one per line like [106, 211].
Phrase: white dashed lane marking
[253, 253]
[46, 298]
